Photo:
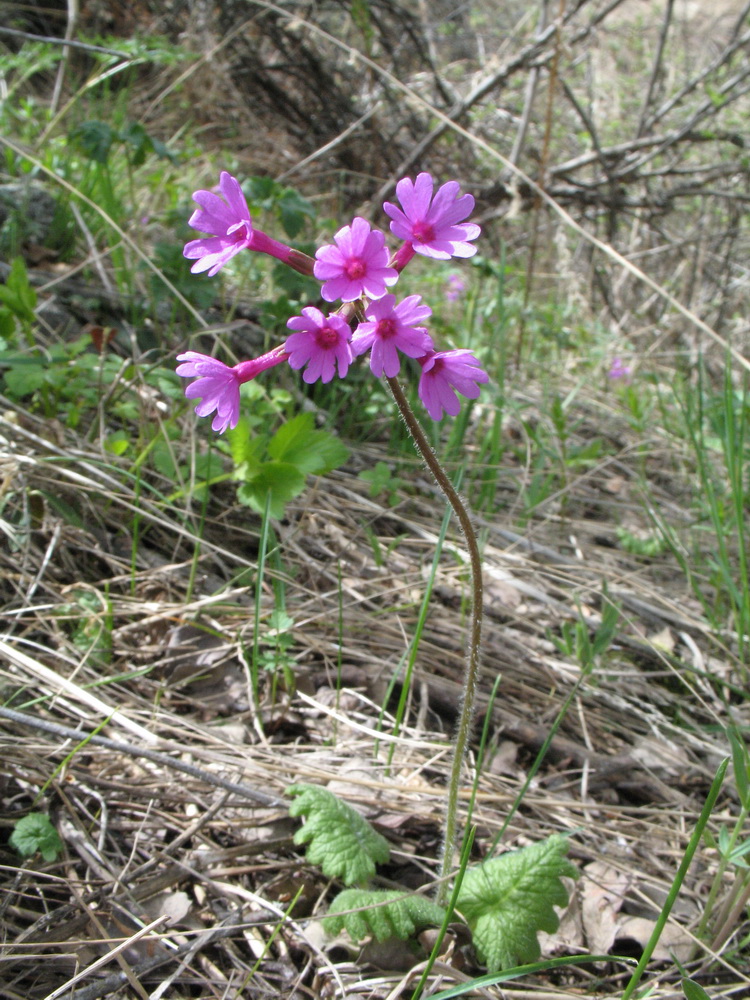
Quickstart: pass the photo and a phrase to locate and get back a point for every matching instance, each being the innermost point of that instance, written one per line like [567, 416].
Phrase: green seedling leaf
[279, 621]
[650, 547]
[386, 914]
[381, 479]
[312, 451]
[35, 833]
[736, 856]
[340, 840]
[606, 631]
[508, 899]
[693, 991]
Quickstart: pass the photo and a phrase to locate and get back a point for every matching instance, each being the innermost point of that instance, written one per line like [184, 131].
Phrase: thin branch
[14, 32]
[65, 732]
[656, 68]
[528, 100]
[739, 41]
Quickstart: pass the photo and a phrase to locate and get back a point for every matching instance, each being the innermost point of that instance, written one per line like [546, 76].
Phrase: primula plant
[505, 901]
[360, 271]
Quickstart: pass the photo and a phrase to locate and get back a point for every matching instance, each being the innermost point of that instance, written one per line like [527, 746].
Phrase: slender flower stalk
[471, 673]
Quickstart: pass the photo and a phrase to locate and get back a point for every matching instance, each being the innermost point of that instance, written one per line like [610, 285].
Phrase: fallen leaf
[602, 895]
[663, 640]
[674, 941]
[173, 905]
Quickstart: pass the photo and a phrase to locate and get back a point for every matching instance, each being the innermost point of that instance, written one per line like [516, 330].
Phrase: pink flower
[619, 371]
[454, 287]
[393, 328]
[357, 265]
[443, 375]
[229, 222]
[322, 343]
[431, 225]
[218, 386]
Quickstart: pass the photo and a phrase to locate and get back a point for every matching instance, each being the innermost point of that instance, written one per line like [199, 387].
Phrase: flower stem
[471, 672]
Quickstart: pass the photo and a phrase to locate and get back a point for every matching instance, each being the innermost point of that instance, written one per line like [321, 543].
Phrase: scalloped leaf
[33, 833]
[508, 899]
[340, 840]
[388, 914]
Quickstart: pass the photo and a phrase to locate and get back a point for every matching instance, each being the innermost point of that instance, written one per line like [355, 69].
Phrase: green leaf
[741, 766]
[388, 914]
[246, 450]
[293, 210]
[94, 139]
[17, 292]
[283, 481]
[693, 991]
[313, 452]
[380, 479]
[723, 841]
[508, 899]
[135, 135]
[164, 461]
[340, 840]
[262, 190]
[117, 443]
[35, 833]
[26, 378]
[651, 546]
[605, 633]
[7, 327]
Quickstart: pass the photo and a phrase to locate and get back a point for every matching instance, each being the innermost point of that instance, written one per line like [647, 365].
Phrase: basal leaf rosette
[506, 900]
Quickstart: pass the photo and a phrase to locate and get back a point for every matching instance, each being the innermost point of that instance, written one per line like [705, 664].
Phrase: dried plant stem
[471, 673]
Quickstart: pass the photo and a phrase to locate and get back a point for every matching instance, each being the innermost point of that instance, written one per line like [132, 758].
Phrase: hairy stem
[471, 672]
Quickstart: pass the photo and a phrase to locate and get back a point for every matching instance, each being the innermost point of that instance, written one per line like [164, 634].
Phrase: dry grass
[208, 869]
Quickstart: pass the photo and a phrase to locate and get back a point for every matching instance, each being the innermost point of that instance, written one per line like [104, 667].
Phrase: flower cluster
[357, 269]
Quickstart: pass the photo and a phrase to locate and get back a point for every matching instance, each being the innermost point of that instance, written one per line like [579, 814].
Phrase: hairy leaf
[340, 840]
[508, 899]
[388, 914]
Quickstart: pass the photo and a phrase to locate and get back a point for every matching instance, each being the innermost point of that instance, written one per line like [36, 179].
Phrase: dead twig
[244, 791]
